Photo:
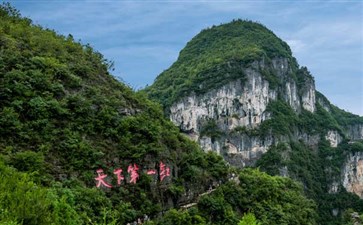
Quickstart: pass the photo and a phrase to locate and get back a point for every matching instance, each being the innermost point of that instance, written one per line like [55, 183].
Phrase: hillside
[207, 62]
[237, 90]
[69, 131]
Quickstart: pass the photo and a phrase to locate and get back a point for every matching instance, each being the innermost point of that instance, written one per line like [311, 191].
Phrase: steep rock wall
[308, 96]
[333, 137]
[240, 104]
[237, 103]
[352, 176]
[355, 132]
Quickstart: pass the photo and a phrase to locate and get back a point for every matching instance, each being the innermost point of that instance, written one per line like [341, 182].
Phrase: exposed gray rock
[334, 187]
[333, 137]
[352, 176]
[323, 103]
[236, 103]
[291, 96]
[308, 98]
[335, 212]
[284, 171]
[239, 104]
[355, 132]
[310, 140]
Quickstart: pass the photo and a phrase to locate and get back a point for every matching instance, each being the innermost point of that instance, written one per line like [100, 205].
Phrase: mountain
[79, 147]
[237, 90]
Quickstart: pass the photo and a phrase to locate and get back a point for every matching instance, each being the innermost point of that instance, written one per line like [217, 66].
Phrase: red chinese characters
[120, 177]
[151, 172]
[164, 171]
[101, 180]
[133, 171]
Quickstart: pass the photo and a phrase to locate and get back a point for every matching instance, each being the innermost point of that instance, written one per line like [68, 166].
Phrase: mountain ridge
[202, 53]
[265, 111]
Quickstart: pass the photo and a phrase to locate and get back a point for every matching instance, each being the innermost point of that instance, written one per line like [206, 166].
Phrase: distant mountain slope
[237, 90]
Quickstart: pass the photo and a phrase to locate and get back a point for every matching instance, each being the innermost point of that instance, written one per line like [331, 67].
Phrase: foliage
[283, 119]
[274, 200]
[316, 170]
[22, 201]
[174, 217]
[345, 118]
[210, 129]
[201, 68]
[217, 210]
[62, 116]
[248, 219]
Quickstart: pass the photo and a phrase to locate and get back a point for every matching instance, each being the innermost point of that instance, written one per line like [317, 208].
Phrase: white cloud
[296, 45]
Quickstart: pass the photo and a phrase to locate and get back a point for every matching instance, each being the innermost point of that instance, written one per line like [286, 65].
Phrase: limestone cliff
[237, 104]
[355, 131]
[352, 176]
[237, 90]
[333, 137]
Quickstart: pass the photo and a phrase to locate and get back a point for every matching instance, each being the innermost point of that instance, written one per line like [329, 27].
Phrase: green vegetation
[342, 117]
[249, 219]
[22, 201]
[215, 57]
[239, 45]
[201, 67]
[316, 170]
[63, 116]
[285, 121]
[210, 129]
[258, 199]
[345, 118]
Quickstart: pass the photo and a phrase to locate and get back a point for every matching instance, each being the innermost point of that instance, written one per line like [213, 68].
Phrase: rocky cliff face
[333, 137]
[352, 176]
[241, 104]
[355, 132]
[237, 90]
[236, 103]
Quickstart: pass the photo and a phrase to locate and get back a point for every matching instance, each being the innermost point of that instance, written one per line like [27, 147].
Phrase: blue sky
[144, 38]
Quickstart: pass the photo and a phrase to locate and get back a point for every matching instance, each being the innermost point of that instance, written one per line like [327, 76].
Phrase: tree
[249, 219]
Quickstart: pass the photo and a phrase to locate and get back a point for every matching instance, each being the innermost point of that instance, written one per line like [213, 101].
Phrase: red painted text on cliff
[133, 171]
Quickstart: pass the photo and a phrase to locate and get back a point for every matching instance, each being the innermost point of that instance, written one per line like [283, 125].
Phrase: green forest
[63, 116]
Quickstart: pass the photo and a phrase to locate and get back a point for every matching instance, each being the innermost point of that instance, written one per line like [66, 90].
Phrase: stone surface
[308, 95]
[236, 103]
[334, 187]
[324, 103]
[333, 137]
[355, 132]
[352, 176]
[242, 104]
